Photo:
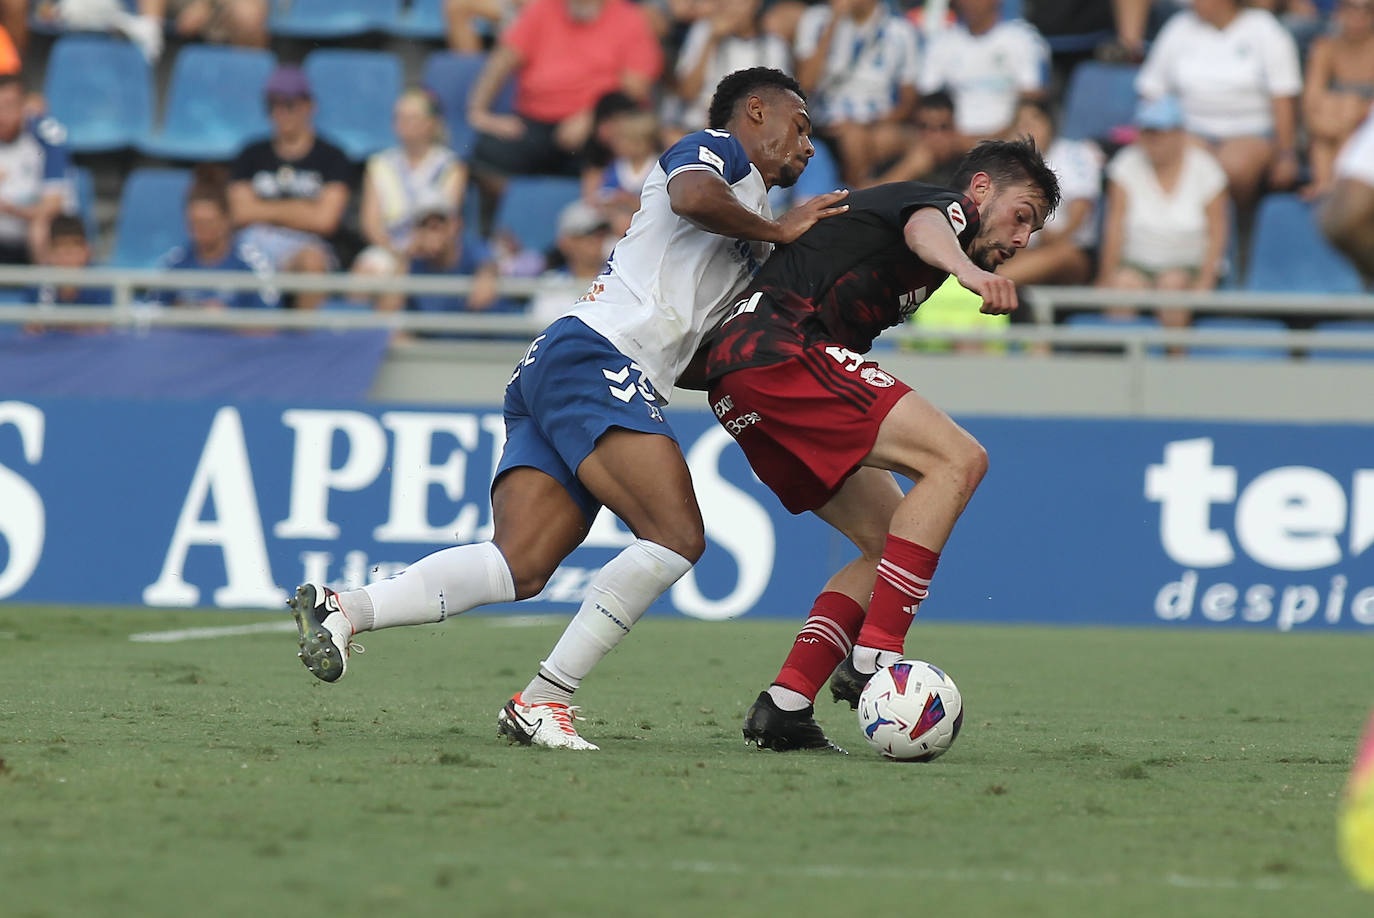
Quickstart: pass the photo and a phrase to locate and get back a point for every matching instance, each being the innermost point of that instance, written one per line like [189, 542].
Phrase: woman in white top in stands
[1166, 221]
[421, 168]
[1236, 72]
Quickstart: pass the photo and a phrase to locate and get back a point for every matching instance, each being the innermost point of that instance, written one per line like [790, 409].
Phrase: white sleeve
[809, 29]
[1282, 72]
[1155, 78]
[1030, 58]
[692, 47]
[909, 73]
[932, 65]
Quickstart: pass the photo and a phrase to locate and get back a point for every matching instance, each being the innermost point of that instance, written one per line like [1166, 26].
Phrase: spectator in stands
[726, 38]
[289, 192]
[67, 248]
[1339, 87]
[584, 240]
[1347, 213]
[988, 64]
[631, 139]
[210, 246]
[565, 55]
[1166, 221]
[420, 168]
[438, 247]
[857, 61]
[1236, 73]
[14, 18]
[935, 148]
[230, 22]
[468, 20]
[34, 184]
[1062, 252]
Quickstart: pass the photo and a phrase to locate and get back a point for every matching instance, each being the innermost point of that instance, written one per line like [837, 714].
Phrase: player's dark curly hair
[1009, 162]
[742, 84]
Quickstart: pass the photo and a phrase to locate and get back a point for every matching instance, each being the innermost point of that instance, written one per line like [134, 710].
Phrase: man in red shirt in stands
[565, 55]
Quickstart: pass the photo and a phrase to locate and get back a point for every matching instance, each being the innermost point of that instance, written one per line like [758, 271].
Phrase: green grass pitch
[1100, 773]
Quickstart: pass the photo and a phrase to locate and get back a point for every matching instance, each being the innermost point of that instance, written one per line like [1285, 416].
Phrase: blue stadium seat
[151, 217]
[101, 89]
[1100, 320]
[214, 103]
[1289, 253]
[422, 19]
[531, 205]
[1098, 98]
[1240, 323]
[450, 77]
[1343, 326]
[332, 18]
[83, 186]
[354, 94]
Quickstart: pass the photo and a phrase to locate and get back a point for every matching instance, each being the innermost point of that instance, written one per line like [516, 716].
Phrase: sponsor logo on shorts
[876, 378]
[739, 425]
[723, 407]
[623, 388]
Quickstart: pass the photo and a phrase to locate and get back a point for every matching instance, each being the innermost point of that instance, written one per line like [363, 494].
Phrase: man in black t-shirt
[289, 192]
[824, 427]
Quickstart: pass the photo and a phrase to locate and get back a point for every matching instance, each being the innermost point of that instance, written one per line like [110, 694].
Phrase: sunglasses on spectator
[285, 101]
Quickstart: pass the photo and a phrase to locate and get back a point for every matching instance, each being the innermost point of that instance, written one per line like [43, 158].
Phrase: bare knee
[972, 464]
[685, 541]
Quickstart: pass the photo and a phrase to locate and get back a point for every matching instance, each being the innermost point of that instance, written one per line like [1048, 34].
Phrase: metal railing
[132, 309]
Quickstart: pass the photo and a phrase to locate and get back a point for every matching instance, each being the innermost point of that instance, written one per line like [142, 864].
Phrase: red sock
[904, 575]
[823, 642]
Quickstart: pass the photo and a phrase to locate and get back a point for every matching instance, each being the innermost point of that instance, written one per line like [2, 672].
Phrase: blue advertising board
[187, 503]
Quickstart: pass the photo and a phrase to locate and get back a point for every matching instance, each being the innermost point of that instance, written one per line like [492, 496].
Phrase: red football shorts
[807, 423]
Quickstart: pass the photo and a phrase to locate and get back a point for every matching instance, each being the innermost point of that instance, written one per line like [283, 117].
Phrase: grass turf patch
[1099, 772]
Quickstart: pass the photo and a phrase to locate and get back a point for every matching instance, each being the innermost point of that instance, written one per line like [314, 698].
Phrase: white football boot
[541, 725]
[326, 634]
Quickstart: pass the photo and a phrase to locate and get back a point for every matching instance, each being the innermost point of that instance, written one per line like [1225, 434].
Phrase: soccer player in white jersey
[585, 426]
[1347, 214]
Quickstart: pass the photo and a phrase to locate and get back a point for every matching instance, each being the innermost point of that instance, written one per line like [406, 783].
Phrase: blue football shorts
[571, 387]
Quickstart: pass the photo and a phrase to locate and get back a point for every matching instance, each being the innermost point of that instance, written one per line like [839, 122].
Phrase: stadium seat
[214, 103]
[530, 207]
[151, 217]
[101, 89]
[1289, 253]
[1100, 320]
[422, 19]
[1343, 326]
[83, 188]
[354, 93]
[450, 76]
[1098, 97]
[1239, 324]
[332, 18]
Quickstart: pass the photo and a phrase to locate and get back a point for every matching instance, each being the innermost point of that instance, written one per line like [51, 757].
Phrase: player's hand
[998, 292]
[804, 216]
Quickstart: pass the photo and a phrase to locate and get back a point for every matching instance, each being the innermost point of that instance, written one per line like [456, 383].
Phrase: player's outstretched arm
[704, 198]
[930, 236]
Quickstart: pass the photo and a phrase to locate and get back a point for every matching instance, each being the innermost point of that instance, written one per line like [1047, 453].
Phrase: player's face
[786, 144]
[1008, 217]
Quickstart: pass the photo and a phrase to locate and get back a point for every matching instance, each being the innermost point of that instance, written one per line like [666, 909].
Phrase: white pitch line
[199, 634]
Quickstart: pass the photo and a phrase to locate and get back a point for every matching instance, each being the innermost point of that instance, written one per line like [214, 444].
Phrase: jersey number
[845, 357]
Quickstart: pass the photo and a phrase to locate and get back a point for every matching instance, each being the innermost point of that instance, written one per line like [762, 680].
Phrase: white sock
[869, 660]
[448, 582]
[616, 598]
[787, 699]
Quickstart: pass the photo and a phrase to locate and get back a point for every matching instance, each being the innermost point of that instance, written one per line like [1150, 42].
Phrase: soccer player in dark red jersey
[824, 427]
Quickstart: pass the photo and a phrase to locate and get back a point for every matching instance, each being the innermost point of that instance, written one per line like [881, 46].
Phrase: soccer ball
[911, 711]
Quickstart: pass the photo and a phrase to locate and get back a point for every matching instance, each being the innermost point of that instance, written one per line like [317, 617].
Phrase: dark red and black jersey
[844, 281]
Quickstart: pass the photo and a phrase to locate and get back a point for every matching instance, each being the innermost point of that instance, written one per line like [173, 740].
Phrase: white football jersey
[668, 281]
